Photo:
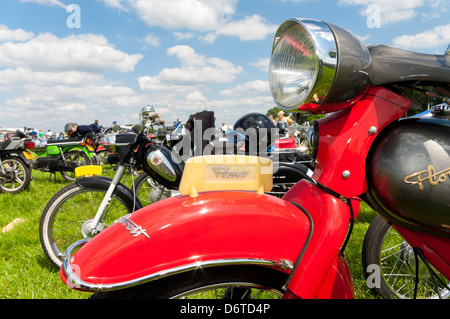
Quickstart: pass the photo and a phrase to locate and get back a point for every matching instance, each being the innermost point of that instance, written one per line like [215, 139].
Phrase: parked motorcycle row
[291, 210]
[24, 152]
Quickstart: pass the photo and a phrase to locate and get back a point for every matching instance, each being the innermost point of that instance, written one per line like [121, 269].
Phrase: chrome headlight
[147, 111]
[315, 66]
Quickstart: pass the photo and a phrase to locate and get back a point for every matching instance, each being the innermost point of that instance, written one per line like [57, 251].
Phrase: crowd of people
[68, 131]
[281, 122]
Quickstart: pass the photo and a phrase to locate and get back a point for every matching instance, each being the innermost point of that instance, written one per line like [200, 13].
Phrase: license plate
[28, 155]
[88, 170]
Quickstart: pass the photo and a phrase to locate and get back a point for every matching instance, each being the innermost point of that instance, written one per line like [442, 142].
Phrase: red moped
[223, 231]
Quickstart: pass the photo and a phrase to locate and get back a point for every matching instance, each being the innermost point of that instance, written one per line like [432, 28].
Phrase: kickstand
[50, 176]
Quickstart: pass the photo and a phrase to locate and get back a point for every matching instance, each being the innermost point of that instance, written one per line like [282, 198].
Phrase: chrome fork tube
[105, 202]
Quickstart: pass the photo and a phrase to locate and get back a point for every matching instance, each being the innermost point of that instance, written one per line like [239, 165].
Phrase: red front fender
[183, 233]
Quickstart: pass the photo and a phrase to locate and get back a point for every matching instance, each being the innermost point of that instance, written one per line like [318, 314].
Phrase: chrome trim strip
[65, 144]
[74, 282]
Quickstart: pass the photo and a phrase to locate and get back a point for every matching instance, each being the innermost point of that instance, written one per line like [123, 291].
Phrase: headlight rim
[321, 30]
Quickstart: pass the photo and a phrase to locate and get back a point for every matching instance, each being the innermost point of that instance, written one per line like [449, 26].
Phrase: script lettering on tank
[429, 175]
[226, 172]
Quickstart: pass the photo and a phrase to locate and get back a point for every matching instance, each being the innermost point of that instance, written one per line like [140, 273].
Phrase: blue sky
[76, 61]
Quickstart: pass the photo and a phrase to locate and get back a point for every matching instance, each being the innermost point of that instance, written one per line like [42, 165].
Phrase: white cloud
[61, 79]
[198, 15]
[439, 36]
[187, 56]
[183, 35]
[195, 70]
[86, 52]
[391, 11]
[82, 104]
[47, 2]
[250, 28]
[117, 4]
[262, 64]
[12, 78]
[14, 35]
[195, 96]
[214, 17]
[257, 87]
[151, 40]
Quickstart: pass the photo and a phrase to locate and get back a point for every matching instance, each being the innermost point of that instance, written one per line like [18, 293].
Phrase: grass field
[25, 272]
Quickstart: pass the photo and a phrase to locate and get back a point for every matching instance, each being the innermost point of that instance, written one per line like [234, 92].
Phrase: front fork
[93, 229]
[321, 272]
[2, 170]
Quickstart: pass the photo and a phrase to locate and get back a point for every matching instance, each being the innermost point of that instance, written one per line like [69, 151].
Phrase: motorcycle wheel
[17, 175]
[384, 249]
[66, 217]
[148, 190]
[74, 156]
[209, 283]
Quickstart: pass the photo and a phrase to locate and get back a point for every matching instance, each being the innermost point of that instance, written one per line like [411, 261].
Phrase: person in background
[116, 127]
[273, 120]
[225, 128]
[282, 124]
[73, 129]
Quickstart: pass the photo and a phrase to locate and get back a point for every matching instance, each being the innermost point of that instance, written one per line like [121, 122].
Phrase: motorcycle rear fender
[186, 233]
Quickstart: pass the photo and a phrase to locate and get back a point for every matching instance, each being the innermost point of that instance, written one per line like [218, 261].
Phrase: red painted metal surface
[338, 283]
[345, 139]
[435, 248]
[330, 218]
[285, 143]
[184, 230]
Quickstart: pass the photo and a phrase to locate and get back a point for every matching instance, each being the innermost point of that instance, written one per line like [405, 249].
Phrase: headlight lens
[293, 67]
[303, 64]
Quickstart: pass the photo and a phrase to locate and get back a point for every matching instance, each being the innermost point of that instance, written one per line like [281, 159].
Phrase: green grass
[25, 272]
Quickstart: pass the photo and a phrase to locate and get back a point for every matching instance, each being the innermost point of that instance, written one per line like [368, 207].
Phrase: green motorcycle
[64, 155]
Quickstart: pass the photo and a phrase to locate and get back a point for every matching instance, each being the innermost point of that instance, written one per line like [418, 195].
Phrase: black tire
[265, 283]
[386, 253]
[148, 190]
[74, 156]
[17, 175]
[70, 209]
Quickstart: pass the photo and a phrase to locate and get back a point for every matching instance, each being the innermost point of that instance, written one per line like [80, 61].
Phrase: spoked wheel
[229, 282]
[384, 249]
[78, 157]
[15, 175]
[68, 217]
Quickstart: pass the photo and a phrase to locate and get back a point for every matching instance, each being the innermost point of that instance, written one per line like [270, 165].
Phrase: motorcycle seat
[391, 65]
[66, 140]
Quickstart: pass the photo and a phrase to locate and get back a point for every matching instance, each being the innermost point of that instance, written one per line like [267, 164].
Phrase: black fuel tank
[409, 174]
